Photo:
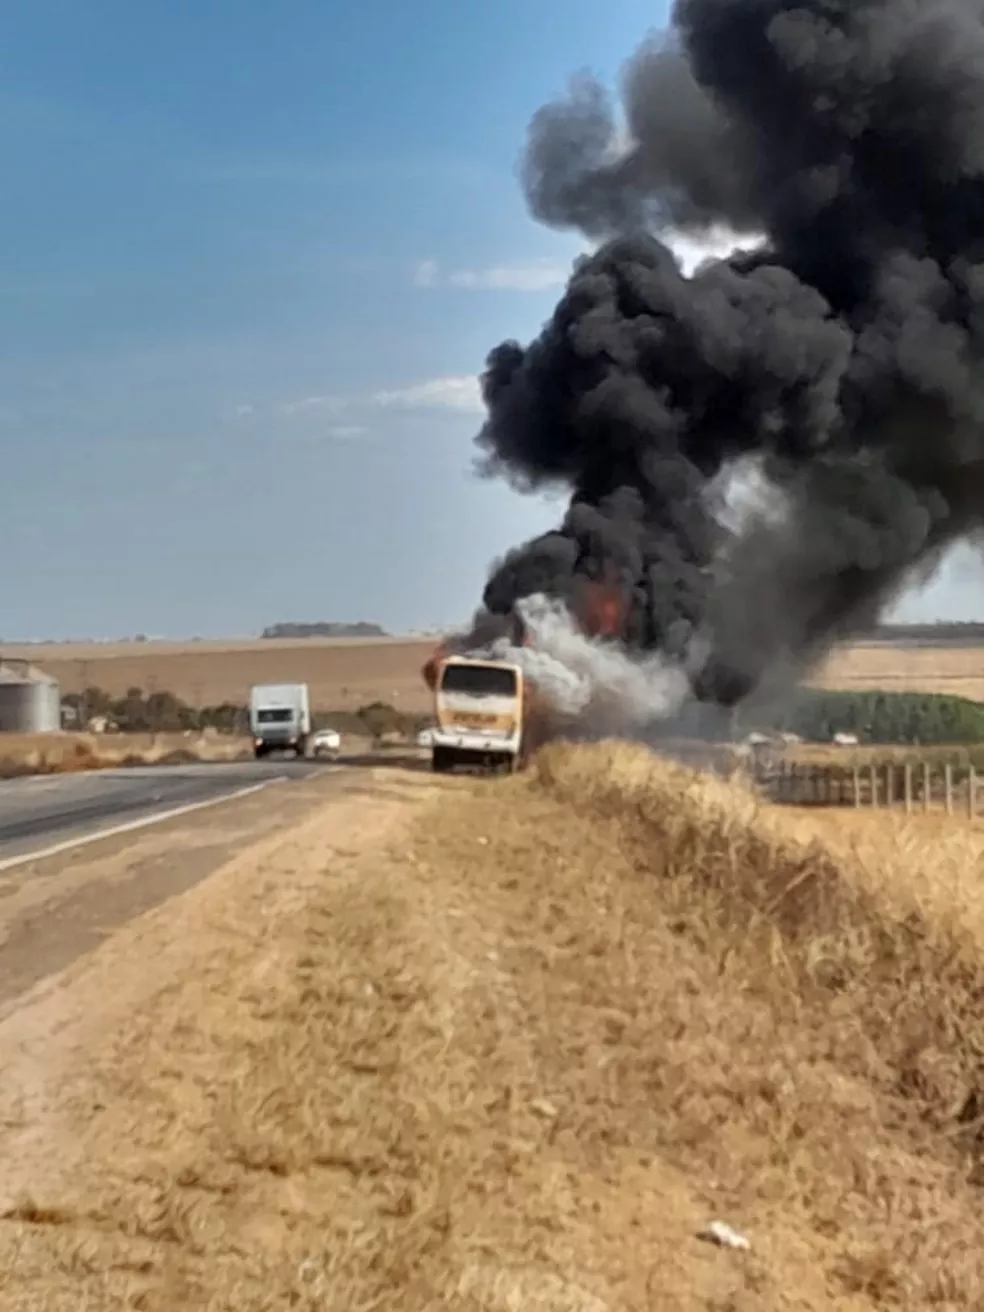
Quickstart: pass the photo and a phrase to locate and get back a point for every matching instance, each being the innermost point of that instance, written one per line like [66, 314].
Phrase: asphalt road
[40, 811]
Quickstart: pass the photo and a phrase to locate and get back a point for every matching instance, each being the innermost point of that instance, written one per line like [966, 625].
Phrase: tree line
[154, 712]
[165, 712]
[324, 629]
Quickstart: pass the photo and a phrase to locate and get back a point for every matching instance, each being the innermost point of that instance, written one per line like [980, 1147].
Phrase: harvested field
[954, 668]
[509, 1045]
[343, 674]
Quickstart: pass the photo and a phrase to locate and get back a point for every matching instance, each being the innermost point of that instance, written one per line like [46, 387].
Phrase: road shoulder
[101, 1086]
[55, 910]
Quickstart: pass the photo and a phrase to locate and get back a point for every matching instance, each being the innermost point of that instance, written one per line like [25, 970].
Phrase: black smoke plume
[842, 355]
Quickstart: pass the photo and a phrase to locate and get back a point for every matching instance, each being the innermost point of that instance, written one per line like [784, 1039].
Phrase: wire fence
[908, 786]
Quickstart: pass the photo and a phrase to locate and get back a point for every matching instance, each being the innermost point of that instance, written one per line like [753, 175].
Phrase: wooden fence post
[856, 782]
[873, 781]
[948, 787]
[890, 784]
[907, 783]
[971, 791]
[927, 784]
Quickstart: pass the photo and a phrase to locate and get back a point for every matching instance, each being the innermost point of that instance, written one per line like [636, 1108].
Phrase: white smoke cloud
[592, 680]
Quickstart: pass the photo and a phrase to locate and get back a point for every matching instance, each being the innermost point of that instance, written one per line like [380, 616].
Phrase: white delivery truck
[279, 717]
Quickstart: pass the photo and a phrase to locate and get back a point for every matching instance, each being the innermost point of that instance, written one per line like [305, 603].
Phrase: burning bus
[487, 711]
[481, 712]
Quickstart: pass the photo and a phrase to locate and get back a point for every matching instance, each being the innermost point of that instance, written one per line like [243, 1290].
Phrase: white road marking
[40, 854]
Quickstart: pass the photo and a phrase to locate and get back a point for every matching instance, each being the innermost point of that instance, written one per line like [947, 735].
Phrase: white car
[326, 743]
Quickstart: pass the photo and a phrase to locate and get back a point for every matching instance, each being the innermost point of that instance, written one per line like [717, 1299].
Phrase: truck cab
[478, 711]
[279, 718]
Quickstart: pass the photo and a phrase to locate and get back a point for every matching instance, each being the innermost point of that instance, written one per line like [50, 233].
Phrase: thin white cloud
[426, 274]
[318, 434]
[522, 276]
[536, 276]
[329, 404]
[460, 392]
[244, 410]
[346, 432]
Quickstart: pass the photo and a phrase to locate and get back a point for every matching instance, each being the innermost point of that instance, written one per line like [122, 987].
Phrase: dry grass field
[511, 1044]
[345, 674]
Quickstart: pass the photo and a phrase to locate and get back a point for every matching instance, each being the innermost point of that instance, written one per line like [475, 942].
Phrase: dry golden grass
[509, 1045]
[65, 753]
[939, 857]
[342, 674]
[863, 667]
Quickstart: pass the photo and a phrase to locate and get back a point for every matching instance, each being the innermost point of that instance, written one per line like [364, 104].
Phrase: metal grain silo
[30, 700]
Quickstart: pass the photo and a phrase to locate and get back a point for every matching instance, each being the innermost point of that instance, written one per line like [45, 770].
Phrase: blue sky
[250, 263]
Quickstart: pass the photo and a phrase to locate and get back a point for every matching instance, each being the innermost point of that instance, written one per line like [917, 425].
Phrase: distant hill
[325, 629]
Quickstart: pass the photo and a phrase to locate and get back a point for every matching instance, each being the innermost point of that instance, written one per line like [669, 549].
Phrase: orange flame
[432, 664]
[602, 610]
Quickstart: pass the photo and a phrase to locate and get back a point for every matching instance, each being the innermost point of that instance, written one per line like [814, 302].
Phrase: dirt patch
[510, 1044]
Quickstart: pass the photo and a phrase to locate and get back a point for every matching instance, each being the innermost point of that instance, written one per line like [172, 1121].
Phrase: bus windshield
[479, 680]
